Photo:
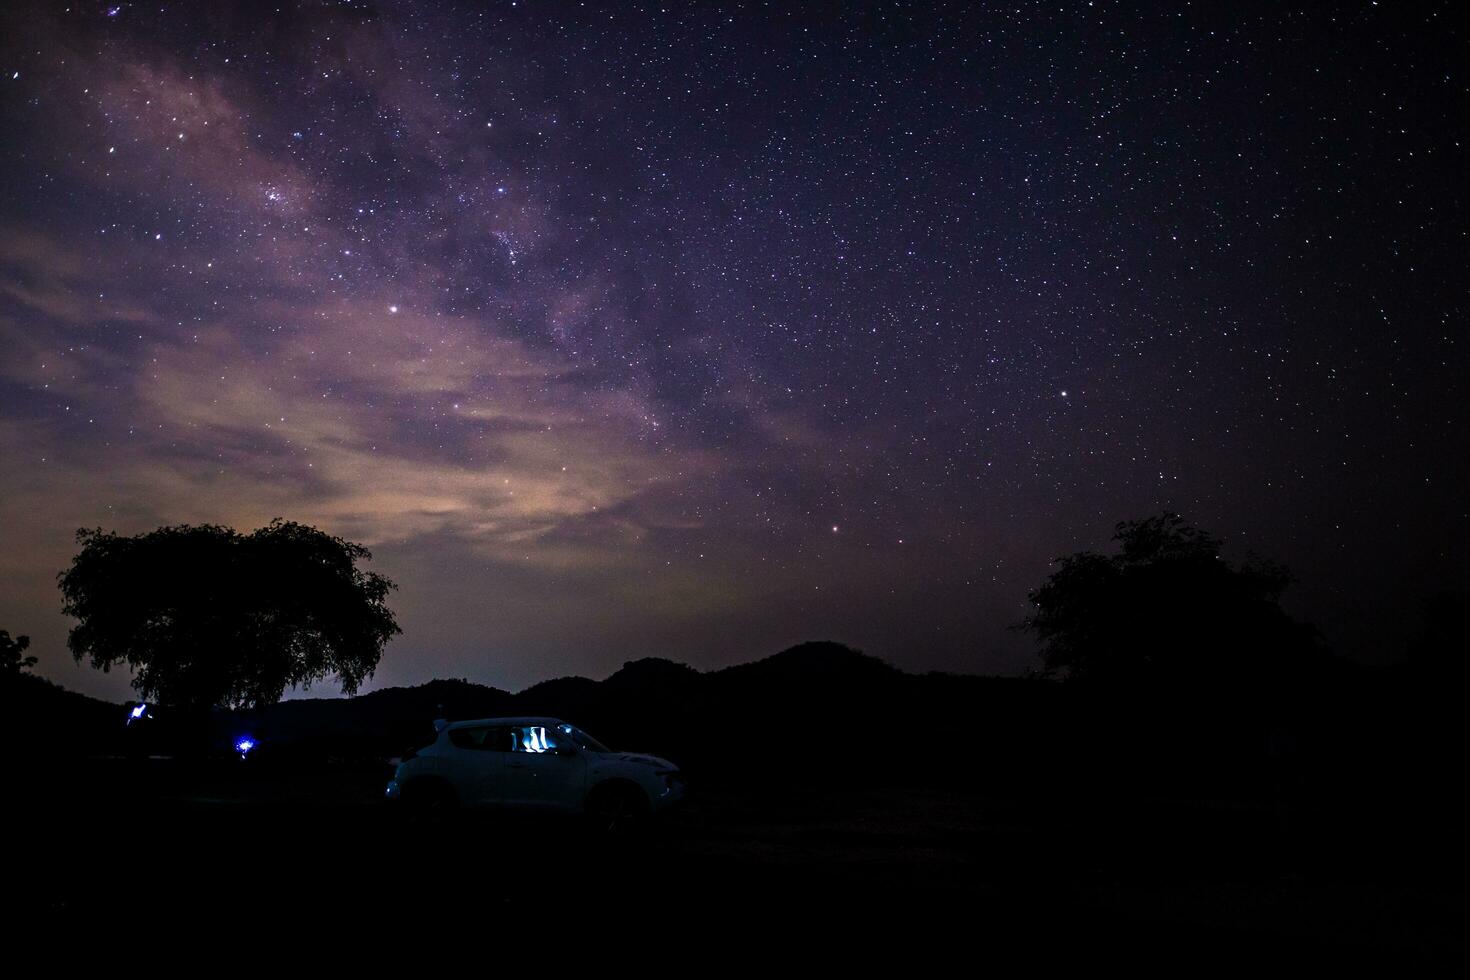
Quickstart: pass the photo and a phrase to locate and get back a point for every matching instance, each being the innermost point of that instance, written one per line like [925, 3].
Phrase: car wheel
[616, 809]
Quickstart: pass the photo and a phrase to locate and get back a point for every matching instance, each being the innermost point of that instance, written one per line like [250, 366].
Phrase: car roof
[514, 722]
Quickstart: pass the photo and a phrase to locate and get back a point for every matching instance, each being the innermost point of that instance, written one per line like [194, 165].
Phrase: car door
[478, 763]
[538, 775]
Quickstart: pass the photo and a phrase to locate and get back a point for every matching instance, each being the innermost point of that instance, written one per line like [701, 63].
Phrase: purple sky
[698, 331]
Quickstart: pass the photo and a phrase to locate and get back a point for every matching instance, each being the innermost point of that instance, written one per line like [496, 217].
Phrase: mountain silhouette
[652, 703]
[833, 712]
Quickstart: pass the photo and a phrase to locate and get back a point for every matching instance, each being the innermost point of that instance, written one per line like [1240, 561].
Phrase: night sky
[696, 331]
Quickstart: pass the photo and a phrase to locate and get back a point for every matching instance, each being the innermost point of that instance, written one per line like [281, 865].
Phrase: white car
[535, 764]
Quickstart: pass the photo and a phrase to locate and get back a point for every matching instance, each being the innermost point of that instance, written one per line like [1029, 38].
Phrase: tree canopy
[207, 616]
[1167, 607]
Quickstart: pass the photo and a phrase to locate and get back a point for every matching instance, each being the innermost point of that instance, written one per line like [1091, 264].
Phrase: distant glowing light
[392, 309]
[244, 745]
[139, 711]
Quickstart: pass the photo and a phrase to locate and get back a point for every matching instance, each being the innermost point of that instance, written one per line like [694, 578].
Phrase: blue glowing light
[244, 745]
[140, 711]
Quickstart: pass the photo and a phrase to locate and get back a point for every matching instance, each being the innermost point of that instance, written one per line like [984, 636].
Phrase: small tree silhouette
[1168, 608]
[11, 661]
[207, 616]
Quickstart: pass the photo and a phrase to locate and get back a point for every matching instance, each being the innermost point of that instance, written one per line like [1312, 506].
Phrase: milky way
[698, 330]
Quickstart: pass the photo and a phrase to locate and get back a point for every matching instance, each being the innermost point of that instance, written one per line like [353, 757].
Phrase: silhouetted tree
[1167, 608]
[11, 661]
[207, 616]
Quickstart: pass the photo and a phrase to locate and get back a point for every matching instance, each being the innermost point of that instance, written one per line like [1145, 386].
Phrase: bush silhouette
[207, 616]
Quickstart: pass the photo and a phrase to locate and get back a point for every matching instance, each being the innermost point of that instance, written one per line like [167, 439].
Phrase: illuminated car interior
[525, 738]
[532, 738]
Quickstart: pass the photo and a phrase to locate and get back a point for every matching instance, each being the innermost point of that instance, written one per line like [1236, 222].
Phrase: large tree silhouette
[207, 616]
[1168, 608]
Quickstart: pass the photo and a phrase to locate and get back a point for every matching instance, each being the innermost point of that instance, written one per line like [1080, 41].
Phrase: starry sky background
[699, 330]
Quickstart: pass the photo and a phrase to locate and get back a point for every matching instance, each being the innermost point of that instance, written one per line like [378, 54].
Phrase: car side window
[482, 739]
[467, 738]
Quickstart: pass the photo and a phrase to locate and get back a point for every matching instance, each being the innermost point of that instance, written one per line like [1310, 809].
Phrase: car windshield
[581, 739]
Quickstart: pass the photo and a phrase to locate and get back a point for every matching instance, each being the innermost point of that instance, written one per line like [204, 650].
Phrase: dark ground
[163, 849]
